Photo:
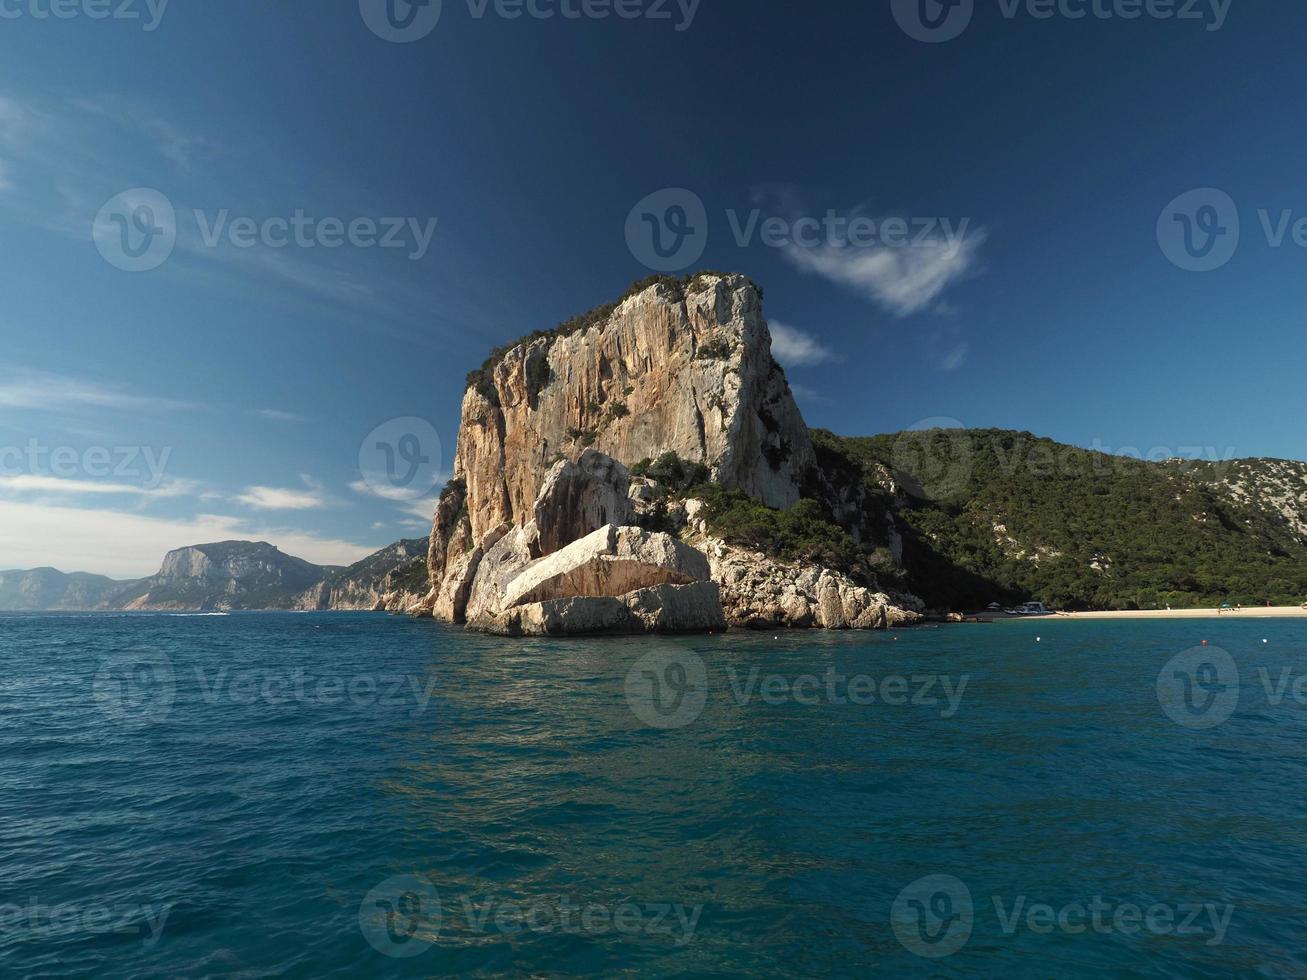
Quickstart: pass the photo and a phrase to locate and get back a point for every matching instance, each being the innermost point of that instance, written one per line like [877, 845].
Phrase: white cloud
[903, 280]
[797, 348]
[130, 545]
[955, 358]
[276, 415]
[277, 498]
[421, 507]
[41, 390]
[59, 485]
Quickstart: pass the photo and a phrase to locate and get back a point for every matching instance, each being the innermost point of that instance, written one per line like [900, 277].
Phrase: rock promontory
[554, 525]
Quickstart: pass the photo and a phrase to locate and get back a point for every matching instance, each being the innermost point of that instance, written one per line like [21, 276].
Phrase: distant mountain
[380, 580]
[231, 575]
[226, 575]
[49, 589]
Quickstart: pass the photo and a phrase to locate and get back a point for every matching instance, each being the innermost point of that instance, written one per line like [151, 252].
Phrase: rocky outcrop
[610, 562]
[543, 531]
[674, 367]
[662, 609]
[759, 592]
[589, 583]
[581, 497]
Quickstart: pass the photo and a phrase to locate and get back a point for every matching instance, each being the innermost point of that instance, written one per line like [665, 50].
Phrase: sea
[360, 795]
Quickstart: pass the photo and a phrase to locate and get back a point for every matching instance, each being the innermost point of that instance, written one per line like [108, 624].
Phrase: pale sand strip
[1248, 612]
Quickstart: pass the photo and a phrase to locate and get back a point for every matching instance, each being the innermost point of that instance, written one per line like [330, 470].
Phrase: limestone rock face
[692, 608]
[544, 532]
[610, 562]
[450, 605]
[579, 498]
[685, 370]
[506, 556]
[758, 592]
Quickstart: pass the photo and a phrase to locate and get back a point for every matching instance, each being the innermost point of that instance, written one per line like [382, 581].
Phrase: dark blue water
[359, 795]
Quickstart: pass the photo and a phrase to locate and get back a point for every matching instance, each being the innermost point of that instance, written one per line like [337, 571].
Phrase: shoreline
[1250, 612]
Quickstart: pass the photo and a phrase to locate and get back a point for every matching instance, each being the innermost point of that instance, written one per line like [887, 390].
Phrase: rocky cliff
[544, 529]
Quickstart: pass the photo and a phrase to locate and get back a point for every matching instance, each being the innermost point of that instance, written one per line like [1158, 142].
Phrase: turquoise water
[359, 795]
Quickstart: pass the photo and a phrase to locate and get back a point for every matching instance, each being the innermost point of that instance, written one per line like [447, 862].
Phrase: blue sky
[511, 153]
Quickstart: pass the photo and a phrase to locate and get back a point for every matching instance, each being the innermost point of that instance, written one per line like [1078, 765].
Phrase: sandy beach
[1248, 612]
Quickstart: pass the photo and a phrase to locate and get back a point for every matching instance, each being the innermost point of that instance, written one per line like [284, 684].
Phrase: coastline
[1251, 612]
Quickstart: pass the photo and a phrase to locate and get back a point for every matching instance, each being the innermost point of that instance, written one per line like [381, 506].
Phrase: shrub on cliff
[803, 533]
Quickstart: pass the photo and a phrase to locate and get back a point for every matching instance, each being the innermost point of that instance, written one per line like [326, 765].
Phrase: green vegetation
[539, 375]
[672, 473]
[482, 379]
[717, 349]
[1008, 516]
[805, 532]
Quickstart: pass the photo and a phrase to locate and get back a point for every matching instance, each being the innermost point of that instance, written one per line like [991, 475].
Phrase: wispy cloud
[797, 348]
[278, 498]
[423, 508]
[903, 280]
[23, 388]
[32, 483]
[131, 545]
[276, 415]
[954, 358]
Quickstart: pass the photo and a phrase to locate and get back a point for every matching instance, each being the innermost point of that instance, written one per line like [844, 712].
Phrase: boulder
[507, 554]
[579, 498]
[610, 562]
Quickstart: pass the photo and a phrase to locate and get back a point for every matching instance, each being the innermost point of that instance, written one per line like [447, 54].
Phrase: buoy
[1039, 639]
[1204, 643]
[1266, 641]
